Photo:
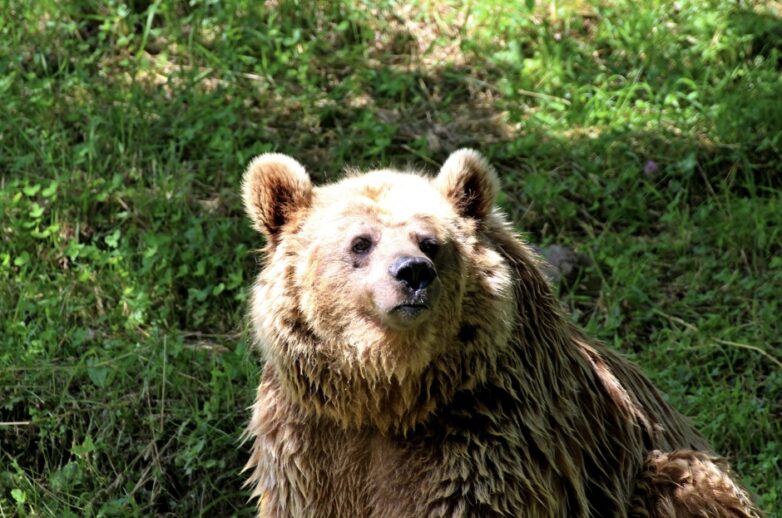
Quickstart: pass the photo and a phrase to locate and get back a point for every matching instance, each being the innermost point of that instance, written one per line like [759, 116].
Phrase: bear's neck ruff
[367, 389]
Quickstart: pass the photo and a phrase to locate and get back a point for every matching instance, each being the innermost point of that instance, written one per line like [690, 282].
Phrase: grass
[645, 134]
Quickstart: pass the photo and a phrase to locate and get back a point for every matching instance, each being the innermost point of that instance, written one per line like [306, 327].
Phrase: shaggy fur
[490, 403]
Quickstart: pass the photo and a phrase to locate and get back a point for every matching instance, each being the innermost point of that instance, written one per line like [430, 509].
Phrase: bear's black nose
[415, 273]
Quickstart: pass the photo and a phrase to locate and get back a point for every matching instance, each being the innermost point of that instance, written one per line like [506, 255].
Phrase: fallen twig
[720, 341]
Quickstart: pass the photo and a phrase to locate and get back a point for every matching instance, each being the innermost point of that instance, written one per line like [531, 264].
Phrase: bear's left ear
[471, 184]
[274, 187]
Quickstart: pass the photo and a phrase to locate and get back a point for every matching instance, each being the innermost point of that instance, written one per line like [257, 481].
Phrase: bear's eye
[361, 245]
[429, 246]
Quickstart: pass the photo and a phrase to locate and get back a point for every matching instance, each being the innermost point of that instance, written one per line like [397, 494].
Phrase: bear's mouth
[410, 310]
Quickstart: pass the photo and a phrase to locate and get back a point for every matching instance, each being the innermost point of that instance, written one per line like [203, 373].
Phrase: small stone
[561, 262]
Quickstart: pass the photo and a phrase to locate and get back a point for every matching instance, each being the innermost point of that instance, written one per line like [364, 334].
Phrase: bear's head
[383, 294]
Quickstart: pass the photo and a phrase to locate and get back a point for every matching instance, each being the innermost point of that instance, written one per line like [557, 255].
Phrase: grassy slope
[646, 134]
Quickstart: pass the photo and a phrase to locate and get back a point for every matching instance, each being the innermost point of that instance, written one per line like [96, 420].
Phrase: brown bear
[417, 363]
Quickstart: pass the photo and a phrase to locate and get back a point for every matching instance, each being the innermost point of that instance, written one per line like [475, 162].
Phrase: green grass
[645, 134]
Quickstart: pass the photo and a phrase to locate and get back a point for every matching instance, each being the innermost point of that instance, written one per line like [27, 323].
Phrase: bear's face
[380, 259]
[369, 276]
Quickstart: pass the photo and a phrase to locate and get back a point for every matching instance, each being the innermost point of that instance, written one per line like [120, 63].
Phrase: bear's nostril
[414, 272]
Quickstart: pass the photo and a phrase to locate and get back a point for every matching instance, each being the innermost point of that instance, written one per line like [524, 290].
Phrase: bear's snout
[413, 273]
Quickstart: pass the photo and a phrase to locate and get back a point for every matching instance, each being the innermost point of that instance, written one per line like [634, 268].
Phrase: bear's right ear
[469, 182]
[274, 187]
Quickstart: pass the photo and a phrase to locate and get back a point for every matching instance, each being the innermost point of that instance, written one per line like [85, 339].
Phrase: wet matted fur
[487, 402]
